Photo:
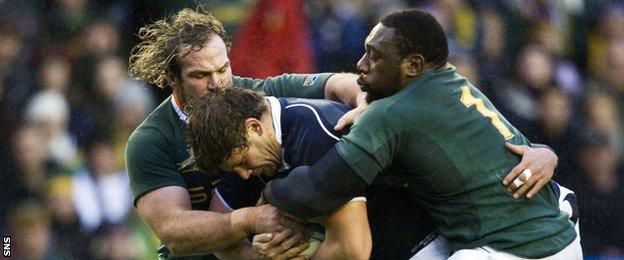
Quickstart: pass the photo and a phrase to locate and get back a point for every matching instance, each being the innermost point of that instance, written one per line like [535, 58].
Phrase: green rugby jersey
[445, 140]
[157, 154]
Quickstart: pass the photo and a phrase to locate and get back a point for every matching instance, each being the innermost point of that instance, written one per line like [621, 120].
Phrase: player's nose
[243, 172]
[362, 65]
[214, 82]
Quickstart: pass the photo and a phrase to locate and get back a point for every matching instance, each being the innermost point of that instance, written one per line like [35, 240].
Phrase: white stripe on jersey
[318, 118]
[276, 112]
[225, 204]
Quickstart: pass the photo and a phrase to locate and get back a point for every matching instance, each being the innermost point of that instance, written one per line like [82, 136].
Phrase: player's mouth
[364, 86]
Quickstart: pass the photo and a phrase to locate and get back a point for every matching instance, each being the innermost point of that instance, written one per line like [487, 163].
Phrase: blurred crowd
[555, 69]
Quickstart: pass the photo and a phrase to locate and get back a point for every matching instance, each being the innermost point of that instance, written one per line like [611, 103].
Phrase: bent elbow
[177, 249]
[361, 251]
[172, 240]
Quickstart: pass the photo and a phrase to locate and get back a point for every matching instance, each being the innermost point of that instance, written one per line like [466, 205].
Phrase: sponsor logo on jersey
[188, 165]
[310, 79]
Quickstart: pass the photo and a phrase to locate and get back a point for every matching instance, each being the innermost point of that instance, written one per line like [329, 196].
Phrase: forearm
[347, 233]
[343, 87]
[335, 250]
[192, 232]
[312, 191]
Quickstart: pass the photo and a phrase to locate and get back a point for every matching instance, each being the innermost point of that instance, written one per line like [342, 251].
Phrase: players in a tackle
[237, 130]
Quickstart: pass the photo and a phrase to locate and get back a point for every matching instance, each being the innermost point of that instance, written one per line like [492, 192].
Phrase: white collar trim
[181, 114]
[276, 112]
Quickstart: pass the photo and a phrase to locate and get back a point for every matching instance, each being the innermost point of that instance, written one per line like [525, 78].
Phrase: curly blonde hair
[160, 48]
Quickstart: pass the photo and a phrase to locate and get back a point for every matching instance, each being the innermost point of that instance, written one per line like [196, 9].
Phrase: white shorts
[570, 252]
[567, 205]
[437, 249]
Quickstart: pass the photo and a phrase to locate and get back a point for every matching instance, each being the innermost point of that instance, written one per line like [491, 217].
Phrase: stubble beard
[364, 86]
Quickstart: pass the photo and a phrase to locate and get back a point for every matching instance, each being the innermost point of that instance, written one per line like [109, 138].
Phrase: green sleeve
[368, 148]
[149, 165]
[288, 85]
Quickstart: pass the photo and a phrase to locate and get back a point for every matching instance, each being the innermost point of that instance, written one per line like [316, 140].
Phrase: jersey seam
[318, 119]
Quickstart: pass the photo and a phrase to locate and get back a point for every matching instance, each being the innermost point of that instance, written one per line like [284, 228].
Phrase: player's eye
[374, 55]
[224, 68]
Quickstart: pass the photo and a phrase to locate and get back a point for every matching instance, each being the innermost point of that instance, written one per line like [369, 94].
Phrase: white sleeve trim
[356, 199]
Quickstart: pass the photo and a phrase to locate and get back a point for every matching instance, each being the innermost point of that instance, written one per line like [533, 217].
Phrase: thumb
[516, 149]
[263, 238]
[342, 122]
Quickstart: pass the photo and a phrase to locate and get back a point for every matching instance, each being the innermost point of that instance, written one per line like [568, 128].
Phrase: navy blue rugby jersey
[307, 133]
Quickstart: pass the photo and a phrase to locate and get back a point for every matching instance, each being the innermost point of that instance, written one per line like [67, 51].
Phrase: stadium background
[555, 69]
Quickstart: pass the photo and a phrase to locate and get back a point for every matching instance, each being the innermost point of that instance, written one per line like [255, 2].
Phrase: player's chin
[372, 96]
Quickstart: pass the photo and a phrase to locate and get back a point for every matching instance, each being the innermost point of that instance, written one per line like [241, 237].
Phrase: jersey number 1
[469, 100]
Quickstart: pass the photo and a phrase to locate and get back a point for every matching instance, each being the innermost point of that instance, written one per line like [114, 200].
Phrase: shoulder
[383, 111]
[328, 110]
[155, 132]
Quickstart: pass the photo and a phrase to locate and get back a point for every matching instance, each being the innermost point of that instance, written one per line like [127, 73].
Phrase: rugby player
[237, 130]
[189, 53]
[444, 139]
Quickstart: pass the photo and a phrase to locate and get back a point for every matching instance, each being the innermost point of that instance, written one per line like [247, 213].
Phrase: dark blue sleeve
[312, 191]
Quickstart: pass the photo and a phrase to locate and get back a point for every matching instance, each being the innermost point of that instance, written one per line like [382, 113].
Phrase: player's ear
[253, 125]
[170, 77]
[413, 65]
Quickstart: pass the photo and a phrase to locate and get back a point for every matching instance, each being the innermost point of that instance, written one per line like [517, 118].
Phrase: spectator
[338, 30]
[556, 127]
[30, 156]
[121, 103]
[71, 241]
[101, 192]
[99, 40]
[518, 97]
[551, 38]
[600, 197]
[490, 54]
[602, 116]
[29, 224]
[611, 78]
[16, 81]
[65, 20]
[49, 111]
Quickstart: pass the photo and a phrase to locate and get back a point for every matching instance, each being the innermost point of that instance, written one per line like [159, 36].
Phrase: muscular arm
[343, 87]
[317, 190]
[347, 233]
[168, 212]
[240, 250]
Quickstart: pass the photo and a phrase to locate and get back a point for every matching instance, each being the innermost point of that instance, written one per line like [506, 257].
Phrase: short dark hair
[216, 124]
[418, 32]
